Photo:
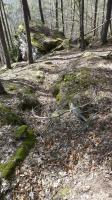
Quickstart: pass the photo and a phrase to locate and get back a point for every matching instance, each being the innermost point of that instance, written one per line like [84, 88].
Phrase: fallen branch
[94, 29]
[97, 27]
[60, 114]
[51, 117]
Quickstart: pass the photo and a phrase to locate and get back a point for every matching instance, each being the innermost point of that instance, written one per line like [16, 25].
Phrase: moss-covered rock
[56, 88]
[8, 116]
[37, 41]
[43, 43]
[21, 132]
[50, 43]
[12, 87]
[6, 169]
[42, 38]
[72, 84]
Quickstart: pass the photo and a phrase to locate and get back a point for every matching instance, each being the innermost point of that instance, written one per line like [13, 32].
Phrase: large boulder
[50, 43]
[43, 41]
[37, 42]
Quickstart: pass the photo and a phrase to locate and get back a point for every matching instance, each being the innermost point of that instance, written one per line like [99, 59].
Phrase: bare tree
[62, 12]
[6, 23]
[2, 58]
[81, 7]
[95, 16]
[103, 17]
[4, 27]
[41, 11]
[28, 11]
[4, 45]
[106, 25]
[26, 20]
[57, 21]
[73, 19]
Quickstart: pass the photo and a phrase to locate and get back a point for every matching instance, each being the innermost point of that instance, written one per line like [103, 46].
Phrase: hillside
[71, 158]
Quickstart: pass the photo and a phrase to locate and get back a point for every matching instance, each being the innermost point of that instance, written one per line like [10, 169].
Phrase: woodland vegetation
[55, 99]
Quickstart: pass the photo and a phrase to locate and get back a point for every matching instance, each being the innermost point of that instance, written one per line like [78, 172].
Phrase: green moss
[21, 131]
[20, 154]
[57, 86]
[62, 193]
[37, 41]
[58, 97]
[7, 116]
[73, 83]
[80, 80]
[12, 87]
[37, 44]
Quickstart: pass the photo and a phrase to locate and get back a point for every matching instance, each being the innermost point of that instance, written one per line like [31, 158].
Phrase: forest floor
[69, 161]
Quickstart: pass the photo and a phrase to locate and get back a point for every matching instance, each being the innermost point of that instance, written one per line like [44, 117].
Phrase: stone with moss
[72, 84]
[12, 87]
[44, 42]
[21, 132]
[50, 43]
[56, 87]
[6, 169]
[37, 41]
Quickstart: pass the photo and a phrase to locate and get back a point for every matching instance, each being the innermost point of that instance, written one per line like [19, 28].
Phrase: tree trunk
[57, 22]
[2, 90]
[41, 12]
[2, 58]
[82, 42]
[72, 29]
[62, 12]
[26, 20]
[28, 12]
[106, 25]
[103, 17]
[4, 27]
[7, 24]
[95, 15]
[4, 45]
